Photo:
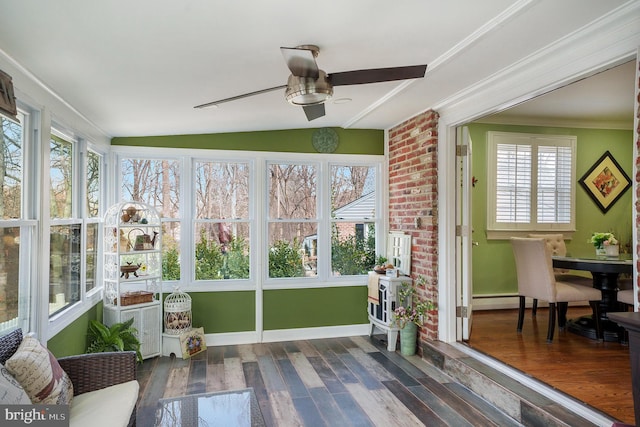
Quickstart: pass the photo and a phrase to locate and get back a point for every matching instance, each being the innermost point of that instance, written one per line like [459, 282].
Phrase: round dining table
[605, 271]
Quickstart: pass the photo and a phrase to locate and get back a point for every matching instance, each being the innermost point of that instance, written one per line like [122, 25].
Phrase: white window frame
[258, 161]
[504, 230]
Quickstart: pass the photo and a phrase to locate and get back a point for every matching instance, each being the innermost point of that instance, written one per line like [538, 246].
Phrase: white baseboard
[252, 337]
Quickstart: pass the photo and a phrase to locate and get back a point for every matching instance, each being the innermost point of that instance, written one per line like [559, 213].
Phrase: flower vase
[408, 339]
[601, 251]
[612, 250]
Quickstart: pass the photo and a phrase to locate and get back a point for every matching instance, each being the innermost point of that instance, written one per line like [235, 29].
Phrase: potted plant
[411, 313]
[118, 337]
[605, 243]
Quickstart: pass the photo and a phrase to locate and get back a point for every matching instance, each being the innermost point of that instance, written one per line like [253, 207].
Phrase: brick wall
[413, 194]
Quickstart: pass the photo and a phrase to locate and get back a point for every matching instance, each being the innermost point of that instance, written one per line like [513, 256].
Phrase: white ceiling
[139, 67]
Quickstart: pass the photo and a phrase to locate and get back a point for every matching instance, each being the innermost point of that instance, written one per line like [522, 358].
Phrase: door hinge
[462, 311]
[462, 150]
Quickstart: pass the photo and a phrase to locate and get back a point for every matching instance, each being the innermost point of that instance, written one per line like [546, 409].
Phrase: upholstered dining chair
[626, 297]
[556, 244]
[536, 279]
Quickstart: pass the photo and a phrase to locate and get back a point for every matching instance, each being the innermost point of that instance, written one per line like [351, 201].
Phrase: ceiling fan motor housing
[307, 90]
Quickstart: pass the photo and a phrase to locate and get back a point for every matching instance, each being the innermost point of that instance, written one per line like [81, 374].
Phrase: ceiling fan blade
[314, 111]
[301, 61]
[375, 75]
[234, 98]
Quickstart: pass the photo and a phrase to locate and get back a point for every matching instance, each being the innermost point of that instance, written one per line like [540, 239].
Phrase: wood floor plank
[307, 374]
[329, 409]
[215, 355]
[326, 374]
[455, 402]
[404, 378]
[215, 377]
[290, 347]
[343, 373]
[488, 411]
[415, 405]
[292, 379]
[233, 373]
[246, 353]
[352, 411]
[382, 407]
[364, 343]
[308, 411]
[197, 382]
[271, 374]
[253, 379]
[371, 364]
[283, 410]
[177, 382]
[445, 412]
[307, 349]
[277, 350]
[363, 374]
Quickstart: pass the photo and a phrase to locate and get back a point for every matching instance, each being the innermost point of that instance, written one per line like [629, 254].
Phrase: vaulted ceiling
[139, 67]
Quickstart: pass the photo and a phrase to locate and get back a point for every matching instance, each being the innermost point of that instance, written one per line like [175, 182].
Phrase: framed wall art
[7, 98]
[605, 182]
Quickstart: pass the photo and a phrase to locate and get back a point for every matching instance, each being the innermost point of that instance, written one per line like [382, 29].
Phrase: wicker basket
[136, 297]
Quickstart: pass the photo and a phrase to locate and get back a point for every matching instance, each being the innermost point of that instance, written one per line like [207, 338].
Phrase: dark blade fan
[309, 87]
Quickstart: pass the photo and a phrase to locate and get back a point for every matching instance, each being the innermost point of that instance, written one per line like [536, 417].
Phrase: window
[222, 227]
[17, 223]
[66, 229]
[157, 183]
[353, 219]
[94, 168]
[259, 219]
[531, 182]
[293, 221]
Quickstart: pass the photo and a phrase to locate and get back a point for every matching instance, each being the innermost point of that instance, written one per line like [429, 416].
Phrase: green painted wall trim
[219, 312]
[72, 340]
[493, 263]
[352, 141]
[309, 308]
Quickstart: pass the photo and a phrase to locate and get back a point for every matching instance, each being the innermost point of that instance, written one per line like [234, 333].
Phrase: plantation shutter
[513, 183]
[554, 184]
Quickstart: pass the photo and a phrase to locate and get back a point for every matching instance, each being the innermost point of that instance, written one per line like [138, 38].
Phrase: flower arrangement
[600, 240]
[415, 310]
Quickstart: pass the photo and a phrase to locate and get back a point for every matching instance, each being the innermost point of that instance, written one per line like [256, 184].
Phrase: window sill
[507, 234]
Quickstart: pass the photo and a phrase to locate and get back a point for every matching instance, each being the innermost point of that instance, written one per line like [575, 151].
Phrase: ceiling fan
[309, 87]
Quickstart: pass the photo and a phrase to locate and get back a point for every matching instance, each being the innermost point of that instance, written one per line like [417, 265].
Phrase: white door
[463, 234]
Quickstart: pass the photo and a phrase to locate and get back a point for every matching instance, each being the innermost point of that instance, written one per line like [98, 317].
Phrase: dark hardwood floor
[328, 382]
[597, 373]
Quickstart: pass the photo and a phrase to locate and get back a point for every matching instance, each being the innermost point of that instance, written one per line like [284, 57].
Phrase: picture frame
[605, 182]
[192, 342]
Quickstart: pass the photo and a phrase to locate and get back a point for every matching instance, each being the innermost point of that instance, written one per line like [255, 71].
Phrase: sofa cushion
[11, 392]
[39, 373]
[110, 406]
[9, 343]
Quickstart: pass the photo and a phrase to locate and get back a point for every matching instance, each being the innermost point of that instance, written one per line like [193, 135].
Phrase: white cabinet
[133, 271]
[381, 315]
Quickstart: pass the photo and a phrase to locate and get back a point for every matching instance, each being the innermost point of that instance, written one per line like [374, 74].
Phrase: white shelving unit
[133, 271]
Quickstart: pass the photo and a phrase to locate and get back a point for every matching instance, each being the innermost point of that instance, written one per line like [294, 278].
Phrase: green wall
[224, 311]
[73, 339]
[493, 263]
[308, 308]
[352, 141]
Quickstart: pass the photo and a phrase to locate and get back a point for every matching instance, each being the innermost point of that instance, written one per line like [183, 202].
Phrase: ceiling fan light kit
[309, 87]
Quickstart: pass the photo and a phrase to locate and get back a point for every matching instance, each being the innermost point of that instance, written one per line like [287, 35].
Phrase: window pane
[513, 183]
[93, 185]
[353, 248]
[170, 250]
[221, 190]
[154, 182]
[292, 249]
[10, 169]
[222, 250]
[353, 192]
[9, 276]
[61, 164]
[554, 184]
[91, 255]
[292, 191]
[64, 266]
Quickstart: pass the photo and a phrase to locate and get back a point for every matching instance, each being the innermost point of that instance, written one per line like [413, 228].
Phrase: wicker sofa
[104, 384]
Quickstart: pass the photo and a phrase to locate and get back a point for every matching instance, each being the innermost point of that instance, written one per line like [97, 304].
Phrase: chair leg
[595, 308]
[552, 321]
[521, 313]
[534, 308]
[562, 314]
